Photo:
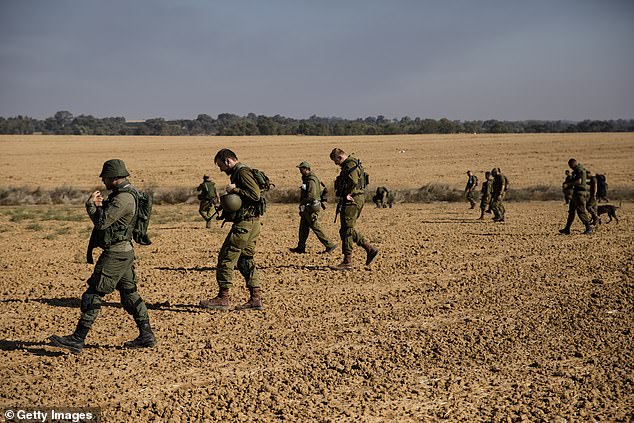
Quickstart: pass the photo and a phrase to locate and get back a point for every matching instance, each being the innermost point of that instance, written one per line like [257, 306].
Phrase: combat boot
[371, 252]
[346, 264]
[221, 302]
[146, 338]
[75, 342]
[255, 301]
[297, 250]
[208, 224]
[330, 249]
[588, 230]
[564, 231]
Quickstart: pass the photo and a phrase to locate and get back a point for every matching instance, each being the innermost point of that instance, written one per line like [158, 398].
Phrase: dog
[610, 210]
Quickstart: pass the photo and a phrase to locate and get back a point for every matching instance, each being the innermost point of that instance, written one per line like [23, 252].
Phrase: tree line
[64, 123]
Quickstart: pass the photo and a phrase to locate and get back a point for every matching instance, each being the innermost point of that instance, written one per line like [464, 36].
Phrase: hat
[114, 168]
[304, 164]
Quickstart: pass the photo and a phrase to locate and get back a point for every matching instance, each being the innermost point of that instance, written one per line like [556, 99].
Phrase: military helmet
[231, 202]
[114, 168]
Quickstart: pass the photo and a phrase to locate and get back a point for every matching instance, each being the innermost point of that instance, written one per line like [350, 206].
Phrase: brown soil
[457, 319]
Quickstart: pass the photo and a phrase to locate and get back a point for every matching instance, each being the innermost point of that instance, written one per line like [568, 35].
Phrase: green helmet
[114, 168]
[231, 202]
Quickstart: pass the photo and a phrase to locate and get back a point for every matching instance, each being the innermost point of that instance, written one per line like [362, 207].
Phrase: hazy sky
[460, 59]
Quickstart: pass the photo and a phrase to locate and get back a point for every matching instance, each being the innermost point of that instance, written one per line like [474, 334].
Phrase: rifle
[338, 210]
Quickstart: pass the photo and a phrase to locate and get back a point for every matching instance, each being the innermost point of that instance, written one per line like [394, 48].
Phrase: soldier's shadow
[188, 269]
[297, 267]
[31, 347]
[71, 302]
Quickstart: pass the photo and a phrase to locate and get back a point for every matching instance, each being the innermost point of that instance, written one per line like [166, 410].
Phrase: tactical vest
[118, 231]
[249, 208]
[344, 183]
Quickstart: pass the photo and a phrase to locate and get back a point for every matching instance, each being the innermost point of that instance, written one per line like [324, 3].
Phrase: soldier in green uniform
[591, 204]
[497, 195]
[309, 208]
[391, 197]
[567, 187]
[380, 197]
[350, 189]
[470, 189]
[209, 199]
[485, 194]
[238, 249]
[579, 197]
[113, 220]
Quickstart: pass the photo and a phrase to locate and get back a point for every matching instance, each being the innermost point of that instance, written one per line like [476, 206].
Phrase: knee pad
[130, 303]
[90, 300]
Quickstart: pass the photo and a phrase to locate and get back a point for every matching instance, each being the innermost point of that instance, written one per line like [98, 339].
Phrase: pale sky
[459, 59]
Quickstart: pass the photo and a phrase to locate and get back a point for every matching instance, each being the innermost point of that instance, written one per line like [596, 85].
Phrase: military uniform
[391, 197]
[208, 199]
[113, 224]
[578, 200]
[497, 196]
[470, 191]
[351, 182]
[380, 197]
[309, 208]
[485, 196]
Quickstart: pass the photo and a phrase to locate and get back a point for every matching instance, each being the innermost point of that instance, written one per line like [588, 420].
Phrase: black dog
[610, 210]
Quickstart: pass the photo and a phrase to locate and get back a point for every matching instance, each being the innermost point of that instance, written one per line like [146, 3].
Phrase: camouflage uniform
[238, 248]
[208, 199]
[578, 200]
[309, 207]
[113, 224]
[391, 197]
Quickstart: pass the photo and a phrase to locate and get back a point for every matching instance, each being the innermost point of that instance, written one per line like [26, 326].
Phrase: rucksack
[142, 217]
[364, 178]
[265, 184]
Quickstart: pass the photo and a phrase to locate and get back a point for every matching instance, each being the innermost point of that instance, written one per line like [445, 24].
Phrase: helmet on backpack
[231, 202]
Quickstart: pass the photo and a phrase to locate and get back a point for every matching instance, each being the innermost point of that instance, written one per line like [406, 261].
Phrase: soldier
[350, 189]
[380, 197]
[470, 188]
[591, 204]
[391, 197]
[238, 248]
[113, 220]
[497, 195]
[578, 201]
[485, 198]
[209, 199]
[309, 207]
[567, 187]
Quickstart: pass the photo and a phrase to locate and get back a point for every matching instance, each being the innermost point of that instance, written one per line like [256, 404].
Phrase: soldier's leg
[131, 301]
[230, 252]
[246, 261]
[349, 235]
[304, 231]
[203, 209]
[313, 220]
[580, 203]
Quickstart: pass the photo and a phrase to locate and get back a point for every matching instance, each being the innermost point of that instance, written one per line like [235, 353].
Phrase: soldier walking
[380, 197]
[238, 249]
[309, 207]
[497, 195]
[470, 189]
[209, 199]
[485, 194]
[579, 197]
[350, 188]
[113, 219]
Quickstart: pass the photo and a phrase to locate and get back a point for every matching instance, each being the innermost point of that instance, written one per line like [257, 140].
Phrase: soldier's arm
[247, 186]
[117, 208]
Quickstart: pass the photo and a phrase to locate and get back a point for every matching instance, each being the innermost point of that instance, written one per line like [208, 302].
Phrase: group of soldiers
[383, 198]
[492, 193]
[115, 217]
[581, 193]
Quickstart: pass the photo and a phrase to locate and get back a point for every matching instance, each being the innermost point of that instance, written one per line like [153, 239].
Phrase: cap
[304, 164]
[114, 168]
